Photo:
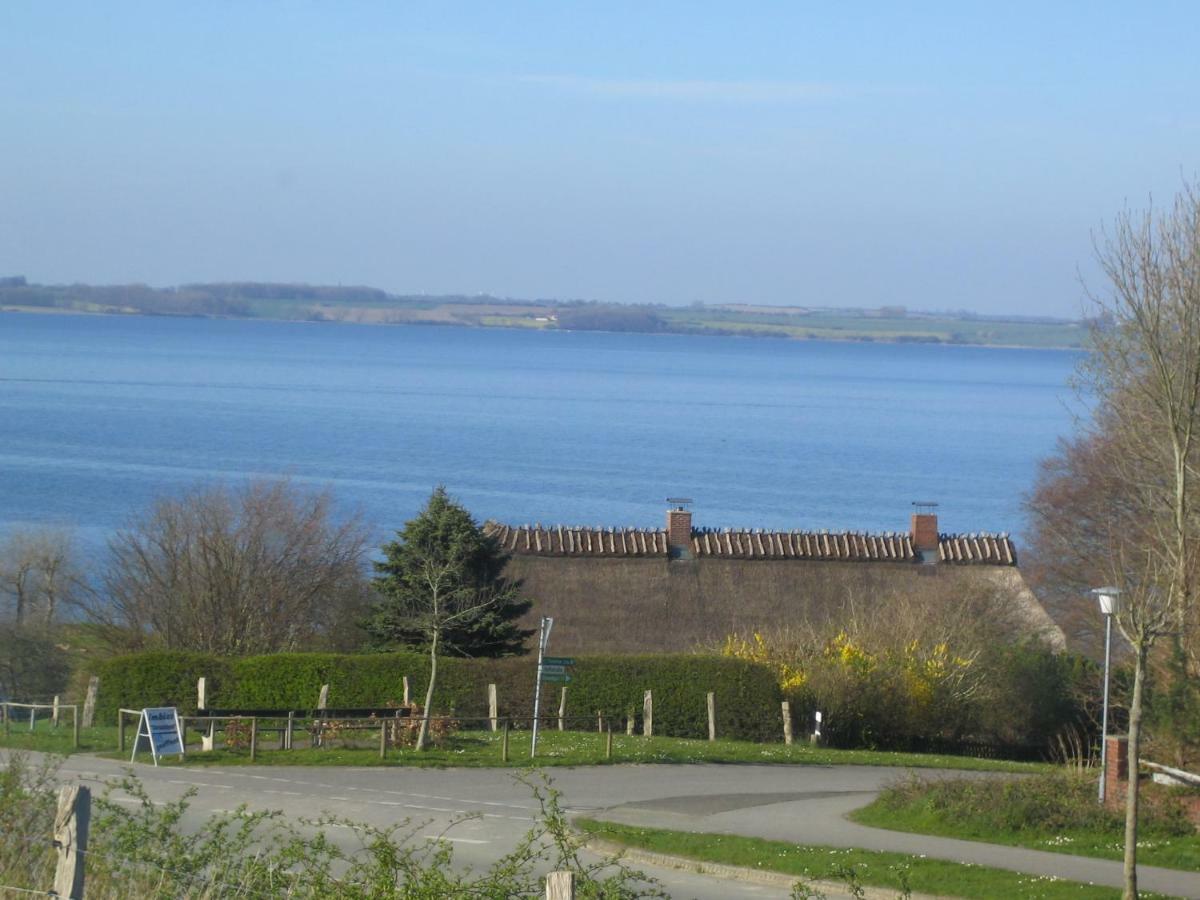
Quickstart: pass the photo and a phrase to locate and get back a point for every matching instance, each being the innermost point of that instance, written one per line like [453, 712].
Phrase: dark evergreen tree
[442, 580]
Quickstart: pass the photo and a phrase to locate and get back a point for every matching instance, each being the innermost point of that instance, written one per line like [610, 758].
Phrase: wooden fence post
[288, 734]
[208, 736]
[323, 697]
[70, 839]
[648, 714]
[504, 743]
[253, 738]
[560, 886]
[712, 716]
[787, 723]
[54, 714]
[629, 722]
[32, 716]
[599, 722]
[89, 702]
[493, 708]
[404, 680]
[121, 730]
[608, 743]
[75, 725]
[562, 707]
[383, 741]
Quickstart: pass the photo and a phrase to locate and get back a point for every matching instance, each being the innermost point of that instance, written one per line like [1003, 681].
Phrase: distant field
[369, 306]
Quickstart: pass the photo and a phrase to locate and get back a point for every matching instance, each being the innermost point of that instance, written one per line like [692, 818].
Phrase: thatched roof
[892, 547]
[628, 605]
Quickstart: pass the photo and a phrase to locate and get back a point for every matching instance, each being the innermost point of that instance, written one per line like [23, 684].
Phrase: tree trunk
[423, 734]
[1131, 793]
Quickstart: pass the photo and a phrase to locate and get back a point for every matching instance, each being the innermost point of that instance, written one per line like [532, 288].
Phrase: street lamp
[1110, 604]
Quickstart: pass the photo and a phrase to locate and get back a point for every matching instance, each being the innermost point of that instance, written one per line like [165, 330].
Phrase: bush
[1051, 802]
[747, 696]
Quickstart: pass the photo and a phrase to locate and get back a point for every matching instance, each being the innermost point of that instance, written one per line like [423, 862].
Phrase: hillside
[371, 306]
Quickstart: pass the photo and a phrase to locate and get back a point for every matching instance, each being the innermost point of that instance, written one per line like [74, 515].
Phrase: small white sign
[160, 725]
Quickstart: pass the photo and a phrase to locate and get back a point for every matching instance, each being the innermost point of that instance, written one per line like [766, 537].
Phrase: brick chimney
[679, 526]
[924, 527]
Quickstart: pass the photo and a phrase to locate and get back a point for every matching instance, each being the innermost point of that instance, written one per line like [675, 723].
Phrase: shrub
[747, 696]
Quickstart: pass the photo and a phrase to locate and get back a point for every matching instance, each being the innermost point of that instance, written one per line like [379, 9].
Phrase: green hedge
[747, 695]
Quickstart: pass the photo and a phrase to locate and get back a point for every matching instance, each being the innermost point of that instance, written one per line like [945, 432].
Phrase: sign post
[160, 725]
[543, 640]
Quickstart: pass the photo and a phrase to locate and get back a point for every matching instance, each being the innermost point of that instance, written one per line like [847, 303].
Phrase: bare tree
[1146, 374]
[254, 569]
[39, 574]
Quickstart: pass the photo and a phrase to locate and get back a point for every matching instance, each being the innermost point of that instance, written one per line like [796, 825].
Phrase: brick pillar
[679, 528]
[925, 531]
[1116, 769]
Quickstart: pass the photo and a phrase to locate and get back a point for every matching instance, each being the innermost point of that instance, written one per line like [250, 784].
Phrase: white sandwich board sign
[160, 725]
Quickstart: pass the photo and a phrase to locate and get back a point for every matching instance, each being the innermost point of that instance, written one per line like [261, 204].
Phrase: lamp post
[1110, 603]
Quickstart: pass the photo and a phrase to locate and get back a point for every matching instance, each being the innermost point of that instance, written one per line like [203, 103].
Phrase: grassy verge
[574, 748]
[896, 871]
[46, 739]
[1054, 812]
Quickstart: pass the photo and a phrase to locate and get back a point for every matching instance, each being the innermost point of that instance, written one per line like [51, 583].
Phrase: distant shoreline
[746, 333]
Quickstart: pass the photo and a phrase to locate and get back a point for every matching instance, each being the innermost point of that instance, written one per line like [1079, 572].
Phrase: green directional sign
[552, 669]
[556, 678]
[558, 661]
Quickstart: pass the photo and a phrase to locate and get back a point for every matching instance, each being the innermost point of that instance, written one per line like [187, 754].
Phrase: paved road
[802, 804]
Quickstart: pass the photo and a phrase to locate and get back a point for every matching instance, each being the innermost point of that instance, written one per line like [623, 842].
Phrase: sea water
[100, 415]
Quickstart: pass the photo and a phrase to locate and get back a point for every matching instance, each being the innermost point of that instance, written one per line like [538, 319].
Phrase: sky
[936, 156]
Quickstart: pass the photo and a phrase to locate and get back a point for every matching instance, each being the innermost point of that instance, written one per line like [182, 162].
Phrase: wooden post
[560, 886]
[323, 698]
[712, 716]
[629, 723]
[562, 707]
[493, 708]
[290, 725]
[405, 681]
[504, 743]
[32, 716]
[89, 702]
[208, 733]
[383, 741]
[121, 730]
[71, 839]
[648, 714]
[253, 738]
[787, 723]
[322, 705]
[608, 743]
[599, 722]
[54, 713]
[75, 726]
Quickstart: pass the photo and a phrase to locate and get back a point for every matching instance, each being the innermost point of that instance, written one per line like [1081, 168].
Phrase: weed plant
[145, 851]
[1048, 811]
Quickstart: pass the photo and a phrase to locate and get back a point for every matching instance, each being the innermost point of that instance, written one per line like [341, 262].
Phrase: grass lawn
[1061, 818]
[59, 740]
[578, 748]
[895, 871]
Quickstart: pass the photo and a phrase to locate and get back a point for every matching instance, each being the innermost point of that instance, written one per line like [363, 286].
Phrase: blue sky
[951, 155]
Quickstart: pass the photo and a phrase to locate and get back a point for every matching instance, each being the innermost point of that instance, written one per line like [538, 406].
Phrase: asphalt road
[801, 804]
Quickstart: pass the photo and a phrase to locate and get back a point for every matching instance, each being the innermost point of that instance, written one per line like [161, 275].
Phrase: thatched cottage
[682, 587]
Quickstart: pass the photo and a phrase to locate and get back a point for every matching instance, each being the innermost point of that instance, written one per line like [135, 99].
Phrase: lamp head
[1109, 598]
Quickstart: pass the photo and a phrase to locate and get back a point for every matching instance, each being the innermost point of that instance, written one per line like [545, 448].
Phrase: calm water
[98, 415]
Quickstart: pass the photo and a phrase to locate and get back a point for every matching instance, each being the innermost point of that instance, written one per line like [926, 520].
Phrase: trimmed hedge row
[747, 695]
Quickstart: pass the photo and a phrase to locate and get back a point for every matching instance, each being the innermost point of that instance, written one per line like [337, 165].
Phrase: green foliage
[145, 851]
[1173, 711]
[1054, 811]
[1035, 693]
[442, 578]
[158, 678]
[747, 697]
[32, 666]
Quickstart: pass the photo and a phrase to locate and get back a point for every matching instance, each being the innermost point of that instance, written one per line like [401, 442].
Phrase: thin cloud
[699, 91]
